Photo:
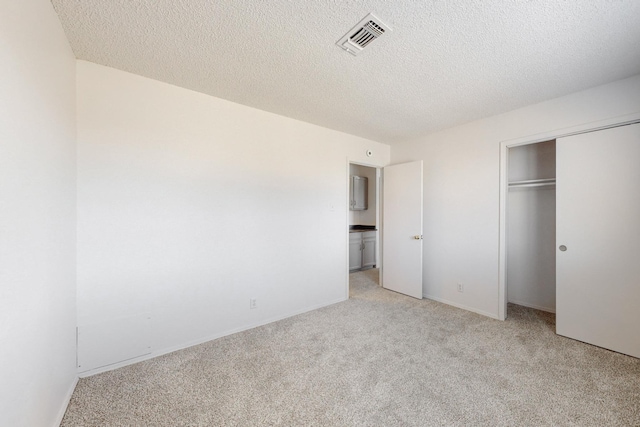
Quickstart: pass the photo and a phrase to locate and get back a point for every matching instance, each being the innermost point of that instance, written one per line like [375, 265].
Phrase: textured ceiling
[445, 63]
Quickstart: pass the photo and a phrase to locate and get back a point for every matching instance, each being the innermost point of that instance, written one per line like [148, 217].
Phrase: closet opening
[531, 226]
[595, 165]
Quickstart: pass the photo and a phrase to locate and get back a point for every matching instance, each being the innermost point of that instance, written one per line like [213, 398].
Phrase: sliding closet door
[598, 238]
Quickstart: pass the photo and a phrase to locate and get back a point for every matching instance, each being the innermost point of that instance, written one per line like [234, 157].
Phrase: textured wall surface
[461, 187]
[444, 63]
[37, 216]
[189, 206]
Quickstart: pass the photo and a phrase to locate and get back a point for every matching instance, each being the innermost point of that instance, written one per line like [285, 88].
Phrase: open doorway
[363, 225]
[531, 226]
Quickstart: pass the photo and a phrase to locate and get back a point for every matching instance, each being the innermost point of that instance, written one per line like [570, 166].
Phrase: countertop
[362, 228]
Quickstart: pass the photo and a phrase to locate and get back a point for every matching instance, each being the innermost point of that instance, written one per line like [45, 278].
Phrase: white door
[598, 238]
[402, 229]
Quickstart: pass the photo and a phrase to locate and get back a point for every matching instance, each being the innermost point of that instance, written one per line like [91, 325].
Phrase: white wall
[37, 216]
[531, 228]
[189, 206]
[461, 187]
[368, 216]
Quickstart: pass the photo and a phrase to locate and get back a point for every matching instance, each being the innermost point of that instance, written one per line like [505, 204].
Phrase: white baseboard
[65, 403]
[161, 352]
[537, 307]
[462, 306]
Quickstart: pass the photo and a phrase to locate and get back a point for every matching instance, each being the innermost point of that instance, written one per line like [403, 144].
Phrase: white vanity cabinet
[355, 251]
[362, 250]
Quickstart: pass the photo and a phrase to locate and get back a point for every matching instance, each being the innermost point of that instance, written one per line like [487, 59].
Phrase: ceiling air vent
[360, 36]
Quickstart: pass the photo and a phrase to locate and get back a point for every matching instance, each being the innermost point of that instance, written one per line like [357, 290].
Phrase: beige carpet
[378, 359]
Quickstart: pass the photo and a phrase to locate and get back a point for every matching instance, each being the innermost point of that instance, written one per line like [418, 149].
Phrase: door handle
[562, 248]
[418, 237]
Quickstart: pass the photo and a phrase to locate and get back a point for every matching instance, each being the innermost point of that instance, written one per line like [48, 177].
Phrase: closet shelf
[533, 183]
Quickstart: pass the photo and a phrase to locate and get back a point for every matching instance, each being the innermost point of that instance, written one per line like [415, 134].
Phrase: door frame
[504, 187]
[379, 266]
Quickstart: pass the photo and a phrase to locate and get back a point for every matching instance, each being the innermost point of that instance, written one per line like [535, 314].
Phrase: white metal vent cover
[360, 36]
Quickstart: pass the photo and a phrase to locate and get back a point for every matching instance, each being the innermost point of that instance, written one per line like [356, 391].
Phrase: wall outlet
[460, 287]
[253, 303]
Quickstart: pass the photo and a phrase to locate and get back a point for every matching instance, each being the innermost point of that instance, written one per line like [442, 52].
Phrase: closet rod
[533, 183]
[540, 184]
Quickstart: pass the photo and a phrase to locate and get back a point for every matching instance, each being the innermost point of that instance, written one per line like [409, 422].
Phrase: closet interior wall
[531, 226]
